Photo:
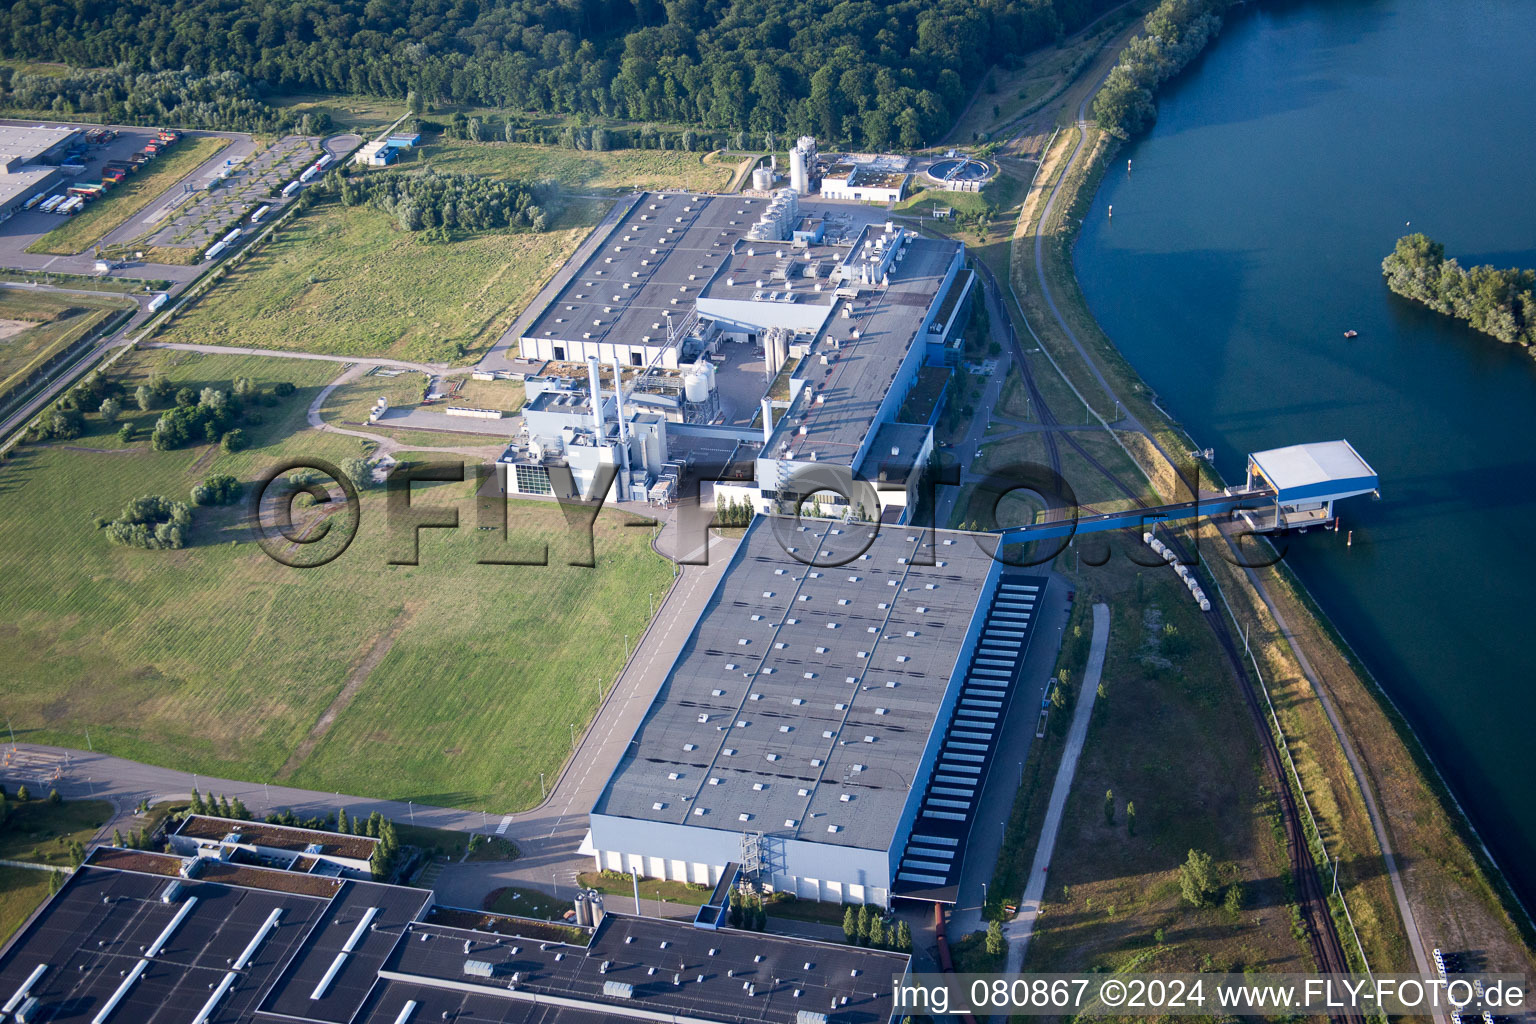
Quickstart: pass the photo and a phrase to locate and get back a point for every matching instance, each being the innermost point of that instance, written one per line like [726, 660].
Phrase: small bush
[219, 489]
[151, 522]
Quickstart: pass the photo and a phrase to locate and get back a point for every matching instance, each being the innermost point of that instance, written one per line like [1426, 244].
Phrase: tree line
[872, 74]
[1496, 302]
[866, 927]
[1176, 32]
[450, 202]
[588, 138]
[186, 98]
[386, 855]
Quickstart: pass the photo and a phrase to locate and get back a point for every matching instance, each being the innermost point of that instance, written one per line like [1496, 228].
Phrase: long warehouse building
[828, 725]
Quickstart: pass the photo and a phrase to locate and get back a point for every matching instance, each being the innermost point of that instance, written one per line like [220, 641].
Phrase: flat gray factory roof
[805, 696]
[360, 957]
[31, 142]
[665, 249]
[671, 967]
[753, 261]
[24, 184]
[103, 921]
[893, 454]
[858, 377]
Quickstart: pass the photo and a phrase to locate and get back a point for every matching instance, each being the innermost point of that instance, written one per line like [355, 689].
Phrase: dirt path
[355, 680]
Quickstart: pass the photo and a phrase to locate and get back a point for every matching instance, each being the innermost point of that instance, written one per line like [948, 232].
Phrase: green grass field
[114, 209]
[348, 282]
[57, 319]
[40, 832]
[619, 170]
[449, 682]
[21, 892]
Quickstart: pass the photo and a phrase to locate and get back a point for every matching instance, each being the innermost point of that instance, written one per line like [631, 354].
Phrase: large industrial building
[829, 723]
[845, 310]
[29, 159]
[144, 938]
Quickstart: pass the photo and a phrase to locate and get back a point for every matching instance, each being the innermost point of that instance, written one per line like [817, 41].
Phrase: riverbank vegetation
[1177, 30]
[1496, 302]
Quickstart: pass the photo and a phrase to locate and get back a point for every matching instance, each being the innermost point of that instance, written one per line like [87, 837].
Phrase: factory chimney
[618, 410]
[595, 383]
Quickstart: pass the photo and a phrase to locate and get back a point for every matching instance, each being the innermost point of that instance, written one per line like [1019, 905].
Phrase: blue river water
[1247, 238]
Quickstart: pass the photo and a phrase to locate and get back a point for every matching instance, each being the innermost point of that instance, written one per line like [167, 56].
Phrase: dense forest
[188, 99]
[1496, 302]
[1177, 30]
[869, 73]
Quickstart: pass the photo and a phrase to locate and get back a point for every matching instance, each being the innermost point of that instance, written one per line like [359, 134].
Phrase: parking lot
[21, 230]
[187, 215]
[196, 214]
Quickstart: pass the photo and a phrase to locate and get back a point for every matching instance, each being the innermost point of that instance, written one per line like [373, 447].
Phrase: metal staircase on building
[930, 865]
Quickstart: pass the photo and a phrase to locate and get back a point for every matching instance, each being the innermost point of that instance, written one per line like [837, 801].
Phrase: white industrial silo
[762, 179]
[799, 174]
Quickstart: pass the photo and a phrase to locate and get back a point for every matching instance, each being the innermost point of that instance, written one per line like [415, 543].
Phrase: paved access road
[1019, 930]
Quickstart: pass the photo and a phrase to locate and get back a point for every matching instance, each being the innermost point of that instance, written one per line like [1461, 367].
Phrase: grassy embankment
[1381, 936]
[45, 324]
[39, 831]
[365, 115]
[617, 170]
[450, 682]
[22, 891]
[670, 891]
[113, 210]
[1113, 900]
[349, 282]
[1451, 889]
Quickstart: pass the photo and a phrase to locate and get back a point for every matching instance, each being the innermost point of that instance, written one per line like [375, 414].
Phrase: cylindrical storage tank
[799, 175]
[583, 911]
[695, 387]
[762, 179]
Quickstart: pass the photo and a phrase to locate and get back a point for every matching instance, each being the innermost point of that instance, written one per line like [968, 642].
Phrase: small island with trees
[1496, 302]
